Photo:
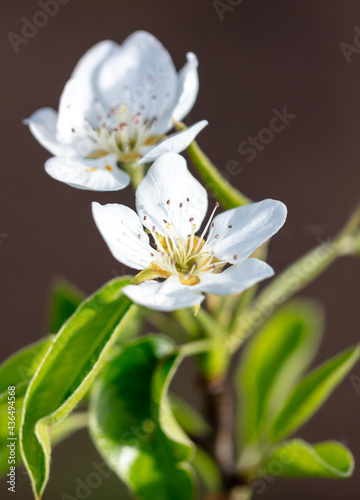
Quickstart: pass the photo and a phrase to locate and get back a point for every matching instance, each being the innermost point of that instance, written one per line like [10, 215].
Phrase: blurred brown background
[262, 55]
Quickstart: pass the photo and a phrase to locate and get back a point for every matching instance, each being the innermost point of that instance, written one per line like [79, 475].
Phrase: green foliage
[19, 368]
[188, 418]
[65, 298]
[272, 363]
[275, 398]
[208, 471]
[16, 372]
[75, 357]
[312, 392]
[296, 458]
[132, 424]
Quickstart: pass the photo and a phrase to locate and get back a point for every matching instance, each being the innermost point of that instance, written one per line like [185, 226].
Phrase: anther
[191, 219]
[217, 204]
[168, 202]
[216, 236]
[230, 226]
[139, 236]
[165, 221]
[187, 199]
[180, 205]
[145, 217]
[235, 257]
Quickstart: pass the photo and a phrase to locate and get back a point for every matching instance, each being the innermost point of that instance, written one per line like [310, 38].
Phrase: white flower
[171, 205]
[116, 108]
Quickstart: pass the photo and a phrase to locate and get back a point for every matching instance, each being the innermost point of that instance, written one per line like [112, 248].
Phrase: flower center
[185, 258]
[123, 131]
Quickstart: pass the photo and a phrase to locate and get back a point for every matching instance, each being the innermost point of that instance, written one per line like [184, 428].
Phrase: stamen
[207, 226]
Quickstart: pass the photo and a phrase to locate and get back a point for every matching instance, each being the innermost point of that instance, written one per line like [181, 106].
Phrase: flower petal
[236, 278]
[123, 233]
[88, 64]
[42, 125]
[188, 87]
[81, 96]
[170, 194]
[101, 174]
[237, 233]
[142, 75]
[175, 143]
[167, 296]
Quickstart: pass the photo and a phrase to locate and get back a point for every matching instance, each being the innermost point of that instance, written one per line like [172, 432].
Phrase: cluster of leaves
[141, 432]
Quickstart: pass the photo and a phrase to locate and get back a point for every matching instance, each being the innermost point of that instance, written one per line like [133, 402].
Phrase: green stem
[228, 196]
[166, 324]
[136, 173]
[290, 281]
[187, 320]
[197, 347]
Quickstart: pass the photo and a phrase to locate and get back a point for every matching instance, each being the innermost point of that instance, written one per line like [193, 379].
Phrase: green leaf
[271, 365]
[17, 372]
[208, 471]
[188, 418]
[19, 368]
[132, 424]
[75, 357]
[64, 300]
[312, 392]
[296, 458]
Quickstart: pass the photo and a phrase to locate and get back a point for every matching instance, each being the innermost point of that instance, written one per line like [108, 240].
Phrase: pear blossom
[116, 110]
[178, 261]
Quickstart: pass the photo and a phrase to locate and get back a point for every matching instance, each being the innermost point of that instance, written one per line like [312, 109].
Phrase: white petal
[251, 225]
[77, 101]
[167, 296]
[42, 125]
[162, 196]
[101, 174]
[236, 278]
[175, 143]
[123, 233]
[188, 87]
[88, 64]
[75, 108]
[141, 73]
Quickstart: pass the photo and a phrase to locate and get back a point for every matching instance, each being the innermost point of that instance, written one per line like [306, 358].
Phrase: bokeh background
[256, 56]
